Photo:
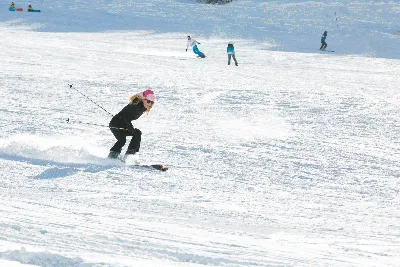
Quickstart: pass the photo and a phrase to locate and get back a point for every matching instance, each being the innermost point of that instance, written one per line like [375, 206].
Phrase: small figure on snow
[193, 43]
[231, 53]
[30, 7]
[12, 5]
[323, 41]
[138, 104]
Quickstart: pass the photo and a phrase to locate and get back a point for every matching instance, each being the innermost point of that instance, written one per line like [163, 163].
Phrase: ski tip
[160, 167]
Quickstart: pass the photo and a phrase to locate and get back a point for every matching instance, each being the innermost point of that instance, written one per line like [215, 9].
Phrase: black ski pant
[229, 59]
[121, 135]
[323, 45]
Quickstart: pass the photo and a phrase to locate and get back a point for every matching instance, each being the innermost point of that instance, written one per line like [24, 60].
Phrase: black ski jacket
[129, 113]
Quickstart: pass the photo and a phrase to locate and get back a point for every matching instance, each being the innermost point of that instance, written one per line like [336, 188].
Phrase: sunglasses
[150, 102]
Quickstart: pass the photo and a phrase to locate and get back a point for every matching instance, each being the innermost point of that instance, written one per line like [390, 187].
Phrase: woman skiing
[323, 41]
[231, 53]
[121, 125]
[193, 43]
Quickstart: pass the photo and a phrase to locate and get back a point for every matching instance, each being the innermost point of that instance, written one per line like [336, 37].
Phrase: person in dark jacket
[121, 124]
[323, 41]
[231, 53]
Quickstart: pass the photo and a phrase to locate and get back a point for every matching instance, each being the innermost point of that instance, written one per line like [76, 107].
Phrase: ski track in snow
[290, 159]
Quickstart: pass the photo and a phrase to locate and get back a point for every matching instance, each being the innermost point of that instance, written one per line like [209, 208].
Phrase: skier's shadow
[59, 169]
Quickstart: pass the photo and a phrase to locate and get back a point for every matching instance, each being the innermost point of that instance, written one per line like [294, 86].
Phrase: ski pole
[70, 86]
[94, 124]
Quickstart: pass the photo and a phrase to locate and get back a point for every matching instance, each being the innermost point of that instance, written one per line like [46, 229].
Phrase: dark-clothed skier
[323, 41]
[138, 104]
[231, 53]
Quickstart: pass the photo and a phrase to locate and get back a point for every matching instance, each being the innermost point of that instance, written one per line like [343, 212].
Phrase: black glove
[186, 49]
[136, 132]
[131, 129]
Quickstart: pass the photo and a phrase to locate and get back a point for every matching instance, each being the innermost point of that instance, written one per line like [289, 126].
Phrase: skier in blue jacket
[323, 41]
[231, 53]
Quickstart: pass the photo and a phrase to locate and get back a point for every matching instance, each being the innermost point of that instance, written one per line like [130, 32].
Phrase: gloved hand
[136, 132]
[131, 129]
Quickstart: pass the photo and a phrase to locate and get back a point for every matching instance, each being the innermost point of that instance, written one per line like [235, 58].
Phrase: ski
[327, 50]
[158, 167]
[136, 164]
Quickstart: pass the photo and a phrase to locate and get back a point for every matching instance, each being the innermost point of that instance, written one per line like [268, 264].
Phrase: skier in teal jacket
[231, 53]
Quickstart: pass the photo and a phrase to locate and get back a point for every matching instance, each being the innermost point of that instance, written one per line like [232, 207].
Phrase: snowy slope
[369, 28]
[289, 159]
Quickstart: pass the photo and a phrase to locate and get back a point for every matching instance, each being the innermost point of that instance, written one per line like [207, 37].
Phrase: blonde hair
[136, 99]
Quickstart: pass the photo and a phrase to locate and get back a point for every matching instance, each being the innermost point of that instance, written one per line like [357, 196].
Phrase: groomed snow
[290, 159]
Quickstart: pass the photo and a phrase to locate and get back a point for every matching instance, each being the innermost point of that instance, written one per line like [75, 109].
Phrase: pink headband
[149, 95]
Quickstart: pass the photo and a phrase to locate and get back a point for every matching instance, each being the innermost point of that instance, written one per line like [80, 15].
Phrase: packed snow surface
[291, 158]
